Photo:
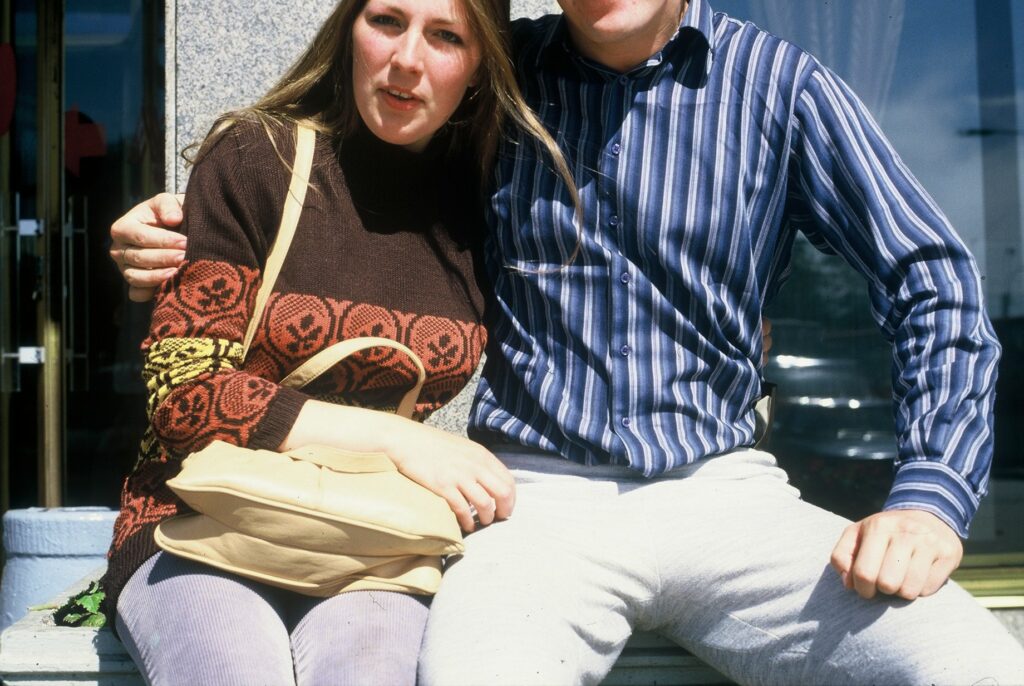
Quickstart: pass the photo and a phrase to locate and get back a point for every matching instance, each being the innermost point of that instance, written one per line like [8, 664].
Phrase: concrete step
[35, 652]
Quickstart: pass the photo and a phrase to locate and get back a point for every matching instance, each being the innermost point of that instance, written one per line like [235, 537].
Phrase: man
[625, 365]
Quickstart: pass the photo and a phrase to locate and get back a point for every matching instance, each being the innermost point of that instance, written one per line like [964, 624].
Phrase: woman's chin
[406, 139]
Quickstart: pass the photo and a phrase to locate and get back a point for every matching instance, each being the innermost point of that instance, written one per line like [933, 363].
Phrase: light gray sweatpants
[722, 557]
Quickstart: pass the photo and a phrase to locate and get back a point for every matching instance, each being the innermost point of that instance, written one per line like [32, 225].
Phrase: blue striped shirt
[696, 170]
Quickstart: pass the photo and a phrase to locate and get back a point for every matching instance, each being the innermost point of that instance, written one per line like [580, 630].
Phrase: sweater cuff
[934, 487]
[278, 420]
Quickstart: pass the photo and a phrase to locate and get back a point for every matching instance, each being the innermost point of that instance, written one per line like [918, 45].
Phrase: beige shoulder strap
[293, 202]
[327, 358]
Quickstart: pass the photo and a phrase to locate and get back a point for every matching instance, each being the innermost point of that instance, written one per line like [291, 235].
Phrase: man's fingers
[895, 565]
[147, 278]
[938, 574]
[867, 563]
[141, 295]
[148, 258]
[142, 235]
[917, 575]
[146, 254]
[906, 552]
[166, 209]
[146, 224]
[843, 553]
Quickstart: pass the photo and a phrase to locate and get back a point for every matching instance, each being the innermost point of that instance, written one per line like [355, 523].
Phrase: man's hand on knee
[144, 248]
[907, 553]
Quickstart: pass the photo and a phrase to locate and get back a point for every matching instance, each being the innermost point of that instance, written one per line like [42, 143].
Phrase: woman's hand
[463, 472]
[144, 248]
[459, 470]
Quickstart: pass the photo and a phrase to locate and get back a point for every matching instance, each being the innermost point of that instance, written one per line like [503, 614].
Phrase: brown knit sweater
[385, 246]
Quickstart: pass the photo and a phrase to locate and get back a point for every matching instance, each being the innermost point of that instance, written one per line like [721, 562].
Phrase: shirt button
[616, 149]
[624, 278]
[623, 80]
[626, 422]
[625, 350]
[614, 220]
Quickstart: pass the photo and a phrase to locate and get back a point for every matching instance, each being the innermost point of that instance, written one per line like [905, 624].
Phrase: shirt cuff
[280, 416]
[934, 487]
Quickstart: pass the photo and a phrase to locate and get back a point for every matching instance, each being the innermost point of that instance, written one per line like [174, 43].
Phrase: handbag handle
[332, 355]
[305, 146]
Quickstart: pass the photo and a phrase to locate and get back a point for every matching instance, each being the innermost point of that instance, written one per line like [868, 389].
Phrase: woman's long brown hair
[317, 91]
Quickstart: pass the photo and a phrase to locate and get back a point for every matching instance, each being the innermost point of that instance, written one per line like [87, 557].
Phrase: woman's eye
[384, 20]
[449, 37]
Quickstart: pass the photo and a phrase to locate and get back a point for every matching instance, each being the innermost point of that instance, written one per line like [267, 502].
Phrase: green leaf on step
[82, 609]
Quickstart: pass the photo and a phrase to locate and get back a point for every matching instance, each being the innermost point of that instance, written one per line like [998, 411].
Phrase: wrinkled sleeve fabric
[851, 194]
[198, 389]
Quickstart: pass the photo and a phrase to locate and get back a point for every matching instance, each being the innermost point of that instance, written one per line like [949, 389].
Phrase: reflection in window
[958, 127]
[113, 158]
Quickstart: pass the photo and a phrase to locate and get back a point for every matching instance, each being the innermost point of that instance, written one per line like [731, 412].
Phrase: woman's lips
[399, 99]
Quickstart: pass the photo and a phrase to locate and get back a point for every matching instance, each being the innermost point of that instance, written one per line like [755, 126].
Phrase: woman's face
[412, 61]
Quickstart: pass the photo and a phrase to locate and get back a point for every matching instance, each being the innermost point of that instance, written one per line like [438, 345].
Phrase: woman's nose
[408, 55]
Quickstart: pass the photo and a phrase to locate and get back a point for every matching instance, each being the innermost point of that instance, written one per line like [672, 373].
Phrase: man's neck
[623, 51]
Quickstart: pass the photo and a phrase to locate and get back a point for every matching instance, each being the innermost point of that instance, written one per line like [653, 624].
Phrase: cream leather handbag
[316, 520]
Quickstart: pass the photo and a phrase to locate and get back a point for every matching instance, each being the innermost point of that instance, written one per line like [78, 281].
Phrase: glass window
[111, 106]
[952, 105]
[113, 158]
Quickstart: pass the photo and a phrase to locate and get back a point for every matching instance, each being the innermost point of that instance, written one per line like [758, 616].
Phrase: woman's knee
[359, 638]
[182, 624]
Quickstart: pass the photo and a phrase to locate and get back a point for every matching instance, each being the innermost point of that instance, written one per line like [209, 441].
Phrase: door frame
[49, 306]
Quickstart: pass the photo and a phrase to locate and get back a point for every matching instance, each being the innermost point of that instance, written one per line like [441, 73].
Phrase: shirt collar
[695, 26]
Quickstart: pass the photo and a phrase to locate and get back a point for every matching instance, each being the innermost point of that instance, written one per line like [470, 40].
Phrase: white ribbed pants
[722, 557]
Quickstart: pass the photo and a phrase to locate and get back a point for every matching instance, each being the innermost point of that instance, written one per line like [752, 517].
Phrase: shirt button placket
[618, 268]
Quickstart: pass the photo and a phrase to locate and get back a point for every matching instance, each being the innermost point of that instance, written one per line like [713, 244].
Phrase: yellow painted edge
[1001, 602]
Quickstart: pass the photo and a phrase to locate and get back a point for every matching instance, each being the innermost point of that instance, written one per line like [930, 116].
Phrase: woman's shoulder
[247, 157]
[237, 187]
[234, 139]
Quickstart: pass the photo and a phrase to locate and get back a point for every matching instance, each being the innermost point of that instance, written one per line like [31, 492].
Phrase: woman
[408, 97]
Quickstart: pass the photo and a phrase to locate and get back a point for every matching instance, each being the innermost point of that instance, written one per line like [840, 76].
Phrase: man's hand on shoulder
[906, 553]
[145, 248]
